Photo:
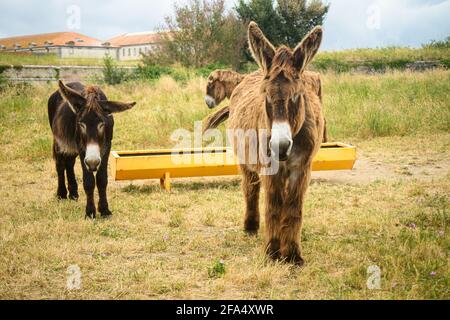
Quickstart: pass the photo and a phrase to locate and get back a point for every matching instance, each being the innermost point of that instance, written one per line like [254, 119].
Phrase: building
[63, 44]
[132, 45]
[128, 46]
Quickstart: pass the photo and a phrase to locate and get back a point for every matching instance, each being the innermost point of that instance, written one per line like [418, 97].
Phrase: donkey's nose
[92, 164]
[281, 141]
[281, 149]
[210, 101]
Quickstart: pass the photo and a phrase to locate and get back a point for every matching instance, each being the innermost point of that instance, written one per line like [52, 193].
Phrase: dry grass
[161, 245]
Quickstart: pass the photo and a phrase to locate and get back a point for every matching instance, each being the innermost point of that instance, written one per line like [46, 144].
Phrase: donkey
[82, 124]
[276, 99]
[221, 84]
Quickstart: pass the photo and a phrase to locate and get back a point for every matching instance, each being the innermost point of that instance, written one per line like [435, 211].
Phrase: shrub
[111, 73]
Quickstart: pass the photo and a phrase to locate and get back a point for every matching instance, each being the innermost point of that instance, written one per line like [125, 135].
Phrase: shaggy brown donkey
[278, 99]
[221, 84]
[82, 124]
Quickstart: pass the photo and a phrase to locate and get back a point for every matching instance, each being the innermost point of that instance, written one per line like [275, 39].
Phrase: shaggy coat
[282, 100]
[82, 124]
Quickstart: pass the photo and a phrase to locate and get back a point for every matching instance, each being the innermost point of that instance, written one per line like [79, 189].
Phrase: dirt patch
[367, 170]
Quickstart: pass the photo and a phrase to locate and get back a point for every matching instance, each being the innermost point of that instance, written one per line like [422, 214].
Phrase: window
[129, 51]
[135, 52]
[123, 52]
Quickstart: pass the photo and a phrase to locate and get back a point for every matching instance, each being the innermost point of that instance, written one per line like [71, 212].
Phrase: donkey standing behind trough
[277, 99]
[221, 84]
[82, 124]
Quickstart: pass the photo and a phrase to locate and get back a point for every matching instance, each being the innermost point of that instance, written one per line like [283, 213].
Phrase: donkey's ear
[262, 50]
[306, 50]
[114, 106]
[73, 98]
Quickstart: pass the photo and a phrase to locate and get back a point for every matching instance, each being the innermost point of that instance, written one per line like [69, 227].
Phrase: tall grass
[399, 103]
[355, 106]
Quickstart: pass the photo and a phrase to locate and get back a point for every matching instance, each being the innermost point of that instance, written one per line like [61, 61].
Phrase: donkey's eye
[295, 98]
[101, 126]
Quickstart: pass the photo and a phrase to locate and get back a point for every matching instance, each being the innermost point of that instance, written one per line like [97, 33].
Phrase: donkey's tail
[215, 119]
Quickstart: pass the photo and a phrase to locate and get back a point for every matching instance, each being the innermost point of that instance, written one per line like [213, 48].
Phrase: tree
[264, 13]
[283, 22]
[203, 32]
[298, 17]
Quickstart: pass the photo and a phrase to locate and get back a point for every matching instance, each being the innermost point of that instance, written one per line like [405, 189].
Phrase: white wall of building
[87, 52]
[133, 52]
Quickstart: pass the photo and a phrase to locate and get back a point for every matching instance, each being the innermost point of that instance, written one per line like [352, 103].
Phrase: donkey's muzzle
[281, 150]
[210, 102]
[92, 159]
[92, 164]
[281, 141]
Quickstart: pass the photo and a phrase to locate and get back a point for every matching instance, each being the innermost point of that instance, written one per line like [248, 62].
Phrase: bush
[111, 73]
[152, 71]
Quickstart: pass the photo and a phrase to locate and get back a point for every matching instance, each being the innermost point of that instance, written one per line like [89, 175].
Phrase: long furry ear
[114, 106]
[75, 100]
[262, 50]
[306, 50]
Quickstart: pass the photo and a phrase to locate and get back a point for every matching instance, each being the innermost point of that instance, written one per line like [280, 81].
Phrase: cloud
[378, 23]
[350, 23]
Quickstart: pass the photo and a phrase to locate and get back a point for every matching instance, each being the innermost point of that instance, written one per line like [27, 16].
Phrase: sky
[350, 23]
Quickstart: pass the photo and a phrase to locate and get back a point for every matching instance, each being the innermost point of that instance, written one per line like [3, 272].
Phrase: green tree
[283, 21]
[298, 17]
[203, 32]
[264, 13]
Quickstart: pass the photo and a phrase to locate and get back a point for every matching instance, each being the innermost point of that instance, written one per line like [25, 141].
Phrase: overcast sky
[350, 23]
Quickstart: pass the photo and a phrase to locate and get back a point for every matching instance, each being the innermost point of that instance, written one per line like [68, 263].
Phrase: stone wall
[52, 73]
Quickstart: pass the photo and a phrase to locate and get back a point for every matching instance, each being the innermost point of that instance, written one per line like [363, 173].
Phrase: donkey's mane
[92, 95]
[283, 63]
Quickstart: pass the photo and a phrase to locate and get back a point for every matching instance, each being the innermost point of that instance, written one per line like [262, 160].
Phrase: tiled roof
[128, 39]
[50, 39]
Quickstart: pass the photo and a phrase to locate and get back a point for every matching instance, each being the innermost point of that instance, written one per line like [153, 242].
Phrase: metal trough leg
[165, 182]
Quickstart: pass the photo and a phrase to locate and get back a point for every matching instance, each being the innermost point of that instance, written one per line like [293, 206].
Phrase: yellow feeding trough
[183, 163]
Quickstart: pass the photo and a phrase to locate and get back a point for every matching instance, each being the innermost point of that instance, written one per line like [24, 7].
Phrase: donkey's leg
[251, 186]
[61, 193]
[102, 183]
[291, 221]
[89, 187]
[274, 187]
[72, 181]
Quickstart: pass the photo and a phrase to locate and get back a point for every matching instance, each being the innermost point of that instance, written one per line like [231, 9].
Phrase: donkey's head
[94, 122]
[282, 87]
[215, 89]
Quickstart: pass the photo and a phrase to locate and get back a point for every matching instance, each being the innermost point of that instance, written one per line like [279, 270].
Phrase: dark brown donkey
[277, 100]
[82, 124]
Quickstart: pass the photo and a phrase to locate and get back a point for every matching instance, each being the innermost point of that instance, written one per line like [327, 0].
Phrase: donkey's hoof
[273, 249]
[251, 227]
[106, 214]
[294, 256]
[297, 261]
[73, 197]
[89, 216]
[61, 196]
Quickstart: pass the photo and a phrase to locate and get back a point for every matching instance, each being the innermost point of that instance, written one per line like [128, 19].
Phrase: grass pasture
[393, 211]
